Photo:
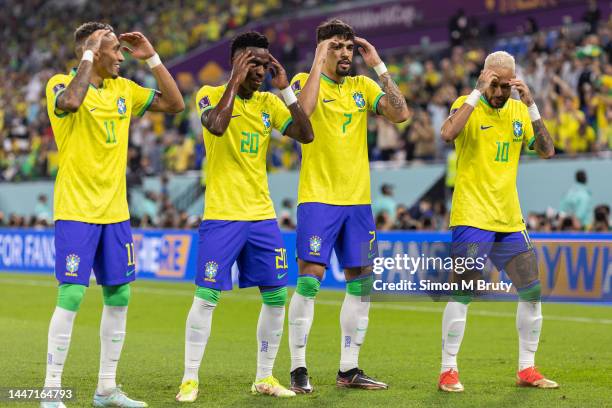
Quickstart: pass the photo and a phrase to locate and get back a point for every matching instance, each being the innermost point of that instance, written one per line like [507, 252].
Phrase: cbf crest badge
[121, 107]
[265, 118]
[359, 100]
[72, 264]
[210, 271]
[517, 130]
[315, 245]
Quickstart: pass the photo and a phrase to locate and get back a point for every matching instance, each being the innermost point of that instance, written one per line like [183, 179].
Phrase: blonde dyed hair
[500, 59]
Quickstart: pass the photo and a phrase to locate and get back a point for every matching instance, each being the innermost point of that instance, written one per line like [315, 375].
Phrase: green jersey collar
[331, 81]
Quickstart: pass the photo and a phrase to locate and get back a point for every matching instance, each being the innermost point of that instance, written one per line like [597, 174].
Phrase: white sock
[269, 334]
[529, 325]
[197, 332]
[453, 327]
[112, 337]
[60, 331]
[301, 314]
[353, 324]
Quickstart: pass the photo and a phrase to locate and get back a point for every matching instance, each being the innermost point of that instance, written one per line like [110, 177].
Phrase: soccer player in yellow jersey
[239, 221]
[489, 129]
[90, 110]
[334, 208]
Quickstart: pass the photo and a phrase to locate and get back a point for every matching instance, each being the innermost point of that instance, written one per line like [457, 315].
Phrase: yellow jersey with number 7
[92, 144]
[488, 151]
[335, 166]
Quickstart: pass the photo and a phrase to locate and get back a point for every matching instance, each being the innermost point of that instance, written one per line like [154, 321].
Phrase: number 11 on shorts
[130, 253]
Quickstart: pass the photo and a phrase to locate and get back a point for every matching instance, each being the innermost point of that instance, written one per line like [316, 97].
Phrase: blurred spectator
[385, 202]
[286, 219]
[422, 135]
[601, 219]
[42, 211]
[577, 201]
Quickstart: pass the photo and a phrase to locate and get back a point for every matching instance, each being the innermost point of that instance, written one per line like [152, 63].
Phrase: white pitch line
[325, 302]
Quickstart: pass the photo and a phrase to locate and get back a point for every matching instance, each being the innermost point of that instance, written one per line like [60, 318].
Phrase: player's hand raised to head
[523, 91]
[368, 52]
[485, 79]
[321, 51]
[279, 76]
[139, 47]
[240, 67]
[94, 41]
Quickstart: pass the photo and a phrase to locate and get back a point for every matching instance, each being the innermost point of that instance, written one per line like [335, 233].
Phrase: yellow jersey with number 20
[236, 177]
[335, 166]
[92, 144]
[488, 151]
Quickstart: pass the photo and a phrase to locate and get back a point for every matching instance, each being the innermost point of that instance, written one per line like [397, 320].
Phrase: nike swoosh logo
[280, 275]
[62, 348]
[328, 100]
[128, 273]
[115, 340]
[92, 109]
[235, 116]
[485, 127]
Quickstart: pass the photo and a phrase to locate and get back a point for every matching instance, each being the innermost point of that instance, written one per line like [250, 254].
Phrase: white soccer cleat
[54, 404]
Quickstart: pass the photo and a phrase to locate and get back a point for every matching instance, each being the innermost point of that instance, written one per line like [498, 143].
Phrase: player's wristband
[473, 98]
[88, 55]
[154, 61]
[534, 113]
[380, 69]
[288, 96]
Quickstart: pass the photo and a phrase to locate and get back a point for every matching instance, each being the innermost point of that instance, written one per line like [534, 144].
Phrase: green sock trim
[116, 295]
[276, 297]
[308, 286]
[361, 286]
[462, 296]
[531, 294]
[465, 299]
[70, 296]
[208, 294]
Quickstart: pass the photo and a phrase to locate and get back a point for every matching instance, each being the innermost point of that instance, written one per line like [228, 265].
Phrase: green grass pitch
[402, 348]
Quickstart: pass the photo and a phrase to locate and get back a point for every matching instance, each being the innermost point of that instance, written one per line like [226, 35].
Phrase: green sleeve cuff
[207, 109]
[147, 104]
[531, 143]
[375, 104]
[57, 112]
[285, 125]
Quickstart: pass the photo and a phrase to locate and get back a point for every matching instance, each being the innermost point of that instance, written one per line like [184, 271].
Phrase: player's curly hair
[332, 28]
[87, 29]
[249, 39]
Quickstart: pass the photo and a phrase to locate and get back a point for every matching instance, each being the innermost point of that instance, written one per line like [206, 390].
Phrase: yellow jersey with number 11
[335, 166]
[92, 144]
[488, 151]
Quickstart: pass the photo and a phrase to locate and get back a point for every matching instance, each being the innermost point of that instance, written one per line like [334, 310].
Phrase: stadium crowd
[567, 68]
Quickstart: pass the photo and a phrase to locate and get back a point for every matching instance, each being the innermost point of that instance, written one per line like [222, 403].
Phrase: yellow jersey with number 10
[488, 151]
[92, 144]
[236, 177]
[335, 167]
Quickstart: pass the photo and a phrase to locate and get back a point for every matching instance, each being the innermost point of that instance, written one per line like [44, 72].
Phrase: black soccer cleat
[300, 383]
[355, 378]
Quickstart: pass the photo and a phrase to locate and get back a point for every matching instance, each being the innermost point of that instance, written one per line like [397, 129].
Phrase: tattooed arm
[393, 105]
[543, 143]
[72, 97]
[454, 124]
